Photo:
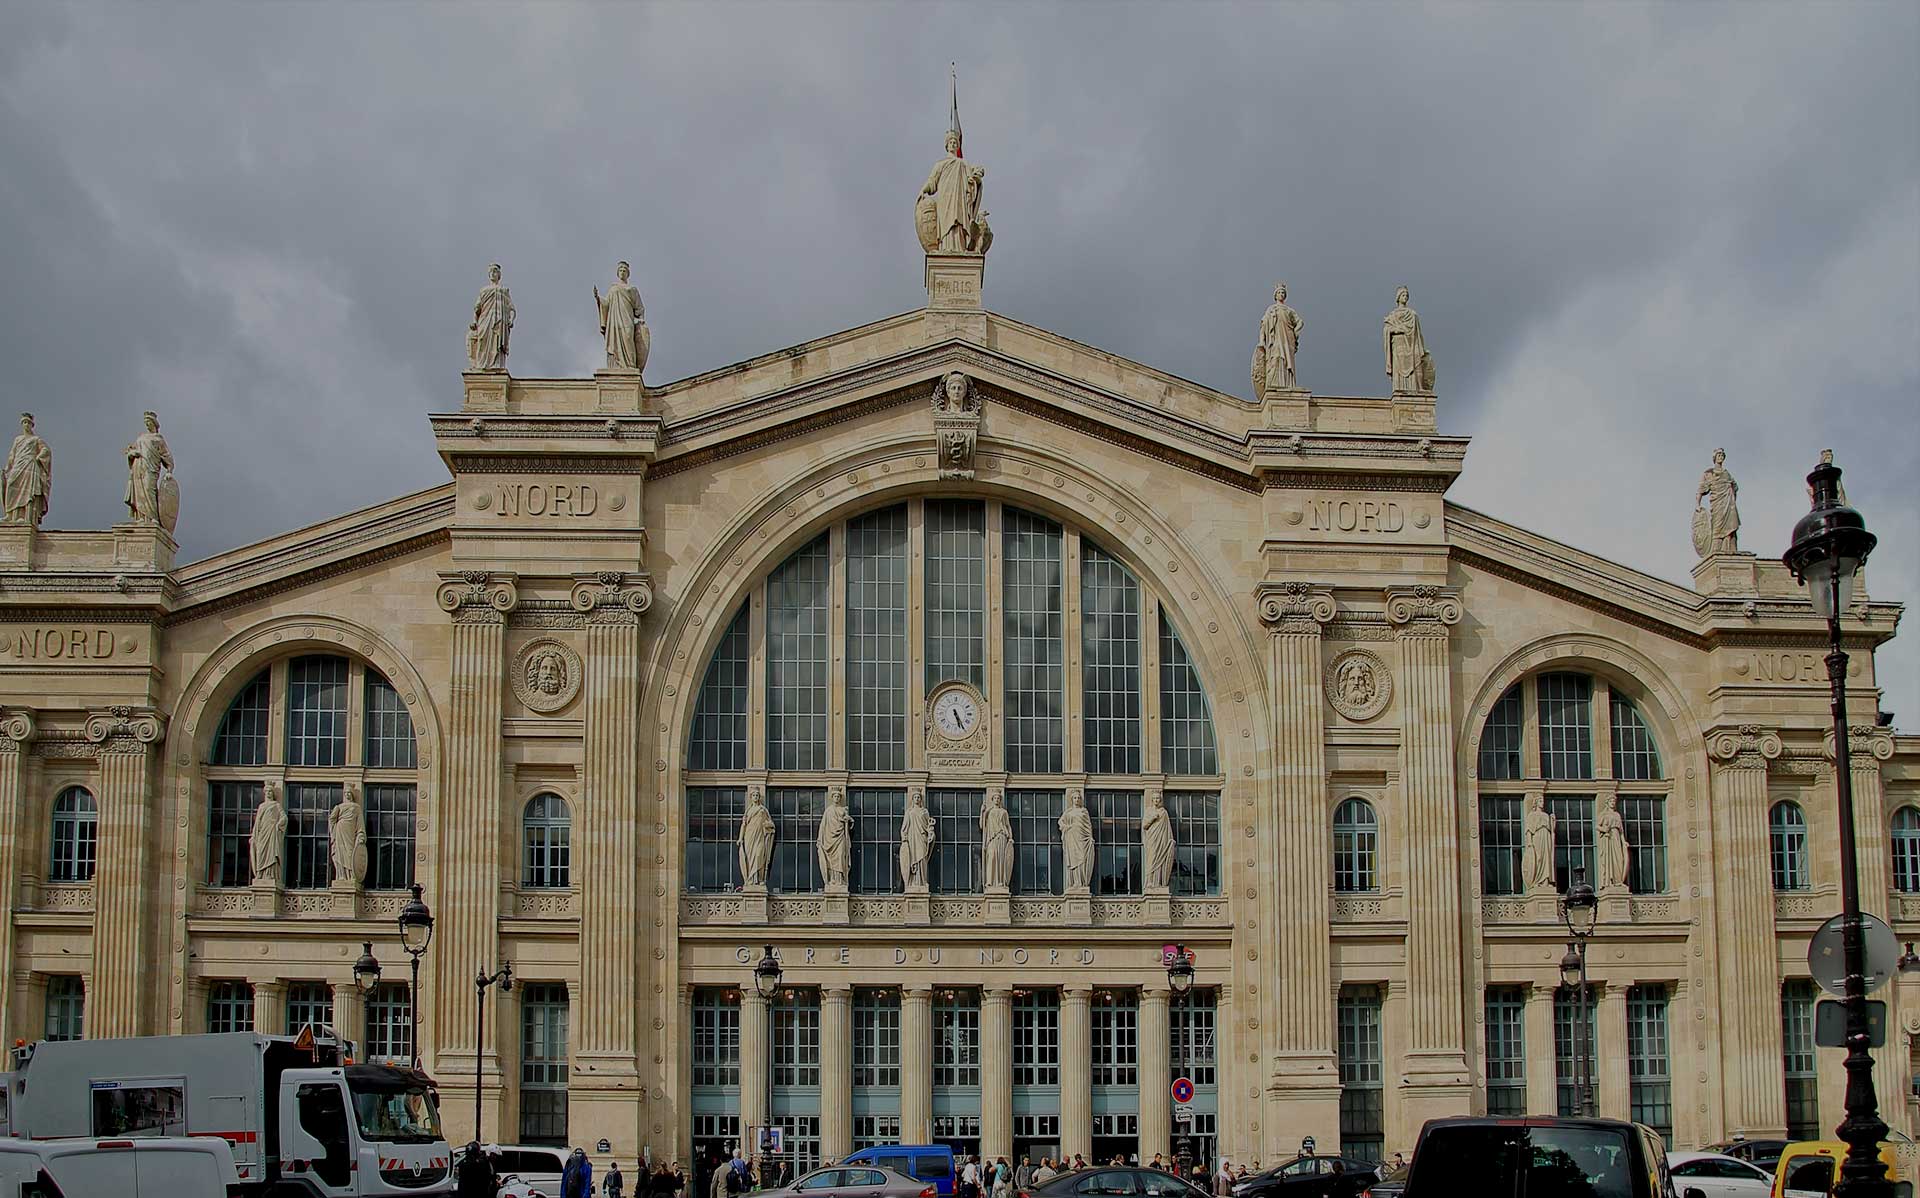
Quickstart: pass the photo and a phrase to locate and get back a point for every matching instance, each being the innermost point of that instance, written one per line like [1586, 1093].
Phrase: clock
[956, 714]
[957, 726]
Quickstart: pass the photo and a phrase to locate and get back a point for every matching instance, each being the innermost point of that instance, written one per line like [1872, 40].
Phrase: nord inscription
[547, 499]
[61, 644]
[1355, 515]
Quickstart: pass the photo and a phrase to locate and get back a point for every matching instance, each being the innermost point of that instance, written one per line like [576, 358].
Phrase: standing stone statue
[916, 842]
[947, 215]
[1409, 364]
[492, 325]
[266, 841]
[152, 495]
[1273, 357]
[623, 323]
[1076, 843]
[1156, 843]
[347, 837]
[835, 844]
[1716, 531]
[756, 840]
[1613, 851]
[996, 842]
[1536, 845]
[29, 477]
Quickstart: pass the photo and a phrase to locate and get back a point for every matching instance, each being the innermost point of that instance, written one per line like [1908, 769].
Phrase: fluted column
[996, 1073]
[117, 990]
[1156, 1074]
[836, 1071]
[350, 1016]
[1543, 1095]
[755, 1064]
[1748, 958]
[1303, 1088]
[16, 730]
[1227, 1055]
[916, 1064]
[270, 1008]
[467, 905]
[1076, 1071]
[1867, 747]
[1610, 1051]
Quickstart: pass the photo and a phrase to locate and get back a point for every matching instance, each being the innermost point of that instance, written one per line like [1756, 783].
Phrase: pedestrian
[679, 1177]
[613, 1183]
[476, 1176]
[1079, 1162]
[1023, 1176]
[1158, 1166]
[970, 1180]
[576, 1180]
[1002, 1179]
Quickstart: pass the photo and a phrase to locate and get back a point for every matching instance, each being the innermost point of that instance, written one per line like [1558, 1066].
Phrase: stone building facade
[556, 685]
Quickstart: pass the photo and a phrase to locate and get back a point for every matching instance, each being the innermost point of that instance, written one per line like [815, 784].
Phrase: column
[836, 1071]
[16, 730]
[117, 989]
[755, 1064]
[270, 1008]
[1156, 1074]
[607, 1018]
[1867, 747]
[1076, 1071]
[349, 1016]
[1437, 1080]
[196, 993]
[1610, 1051]
[916, 1064]
[1749, 1007]
[1227, 1056]
[1543, 1094]
[1296, 871]
[467, 906]
[683, 1084]
[996, 1072]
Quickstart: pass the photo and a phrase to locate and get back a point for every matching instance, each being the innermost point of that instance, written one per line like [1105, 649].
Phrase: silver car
[854, 1181]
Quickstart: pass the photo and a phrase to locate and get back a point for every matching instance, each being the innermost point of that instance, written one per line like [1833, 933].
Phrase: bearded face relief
[1358, 685]
[547, 675]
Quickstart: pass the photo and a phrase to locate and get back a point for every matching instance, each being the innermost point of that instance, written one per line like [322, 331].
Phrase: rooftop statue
[623, 323]
[1279, 346]
[152, 495]
[947, 215]
[29, 476]
[492, 325]
[1716, 530]
[1409, 364]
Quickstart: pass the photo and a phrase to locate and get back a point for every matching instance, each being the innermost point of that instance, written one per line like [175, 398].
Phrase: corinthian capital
[122, 729]
[1427, 607]
[1295, 606]
[1865, 743]
[486, 593]
[612, 591]
[1747, 747]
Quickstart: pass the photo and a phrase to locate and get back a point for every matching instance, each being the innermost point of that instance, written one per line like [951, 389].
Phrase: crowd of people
[477, 1175]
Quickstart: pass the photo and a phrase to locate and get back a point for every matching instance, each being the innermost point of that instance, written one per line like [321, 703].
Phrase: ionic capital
[1295, 606]
[1747, 747]
[124, 729]
[16, 729]
[1865, 744]
[612, 592]
[478, 595]
[1419, 609]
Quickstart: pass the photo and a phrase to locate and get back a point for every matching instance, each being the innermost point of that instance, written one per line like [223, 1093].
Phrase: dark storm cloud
[1633, 233]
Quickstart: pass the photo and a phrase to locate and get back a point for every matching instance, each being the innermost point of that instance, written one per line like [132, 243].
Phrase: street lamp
[366, 975]
[416, 932]
[1830, 544]
[503, 978]
[1180, 981]
[766, 983]
[1580, 911]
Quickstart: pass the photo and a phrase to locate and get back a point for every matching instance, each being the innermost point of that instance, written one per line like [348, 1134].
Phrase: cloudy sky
[1634, 233]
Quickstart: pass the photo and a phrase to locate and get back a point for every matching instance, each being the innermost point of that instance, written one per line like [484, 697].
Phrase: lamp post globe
[1570, 968]
[1179, 970]
[1830, 544]
[766, 975]
[366, 971]
[1580, 908]
[416, 924]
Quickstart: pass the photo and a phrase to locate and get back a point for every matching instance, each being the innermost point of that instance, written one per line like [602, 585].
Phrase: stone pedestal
[620, 391]
[266, 898]
[1159, 910]
[344, 900]
[1079, 912]
[1616, 908]
[1413, 413]
[954, 283]
[1543, 906]
[836, 908]
[146, 547]
[919, 908]
[1288, 407]
[17, 546]
[1727, 574]
[999, 908]
[753, 904]
[486, 391]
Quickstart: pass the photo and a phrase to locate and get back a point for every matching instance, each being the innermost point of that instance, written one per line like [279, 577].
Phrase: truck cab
[342, 1128]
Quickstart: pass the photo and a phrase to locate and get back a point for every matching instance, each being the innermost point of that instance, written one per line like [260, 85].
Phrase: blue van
[931, 1163]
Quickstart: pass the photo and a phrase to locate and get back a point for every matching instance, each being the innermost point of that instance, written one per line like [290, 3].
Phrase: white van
[171, 1167]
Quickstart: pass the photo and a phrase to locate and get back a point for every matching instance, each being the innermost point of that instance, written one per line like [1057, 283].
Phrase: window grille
[317, 711]
[1635, 756]
[1356, 847]
[1787, 834]
[1196, 840]
[876, 1038]
[309, 1003]
[1906, 850]
[229, 1007]
[718, 738]
[1649, 1082]
[1194, 1016]
[66, 1007]
[719, 1133]
[960, 1132]
[1186, 722]
[1116, 1038]
[800, 1135]
[1796, 1023]
[390, 743]
[390, 824]
[1501, 839]
[1645, 819]
[389, 1031]
[1572, 838]
[956, 591]
[716, 1037]
[874, 1131]
[796, 827]
[796, 1037]
[713, 834]
[1110, 662]
[877, 815]
[543, 1064]
[1036, 1038]
[1506, 1008]
[307, 863]
[1566, 726]
[1033, 644]
[230, 807]
[242, 736]
[546, 853]
[1116, 838]
[876, 643]
[956, 840]
[799, 626]
[1568, 1031]
[1037, 864]
[1500, 740]
[1362, 1077]
[956, 1038]
[75, 836]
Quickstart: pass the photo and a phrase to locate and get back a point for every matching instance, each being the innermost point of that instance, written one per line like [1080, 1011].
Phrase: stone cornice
[1746, 746]
[1295, 606]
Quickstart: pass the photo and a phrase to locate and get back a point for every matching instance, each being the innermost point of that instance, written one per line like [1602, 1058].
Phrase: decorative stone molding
[1359, 907]
[546, 674]
[66, 896]
[796, 910]
[959, 910]
[381, 906]
[16, 729]
[885, 912]
[948, 751]
[710, 908]
[307, 903]
[1795, 906]
[1039, 910]
[1748, 747]
[612, 595]
[956, 424]
[1295, 606]
[1908, 907]
[478, 596]
[1654, 910]
[545, 904]
[1428, 609]
[1503, 910]
[1358, 685]
[225, 900]
[1119, 912]
[121, 729]
[1203, 912]
[1864, 743]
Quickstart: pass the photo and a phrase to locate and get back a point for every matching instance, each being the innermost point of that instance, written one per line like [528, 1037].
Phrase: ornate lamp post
[503, 978]
[1180, 981]
[1830, 544]
[366, 975]
[766, 983]
[1580, 911]
[416, 933]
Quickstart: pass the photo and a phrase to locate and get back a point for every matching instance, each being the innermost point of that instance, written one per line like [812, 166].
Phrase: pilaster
[350, 1015]
[16, 730]
[1076, 1071]
[996, 1072]
[124, 740]
[1749, 966]
[270, 1008]
[1543, 1095]
[1610, 1049]
[755, 1061]
[916, 1064]
[1303, 1088]
[1156, 1074]
[836, 1070]
[1867, 747]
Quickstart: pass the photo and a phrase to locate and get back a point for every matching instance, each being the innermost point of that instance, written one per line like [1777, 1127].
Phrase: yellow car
[1809, 1169]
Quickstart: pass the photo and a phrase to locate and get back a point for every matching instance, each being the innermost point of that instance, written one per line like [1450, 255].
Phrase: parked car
[1130, 1181]
[1310, 1177]
[926, 1162]
[1762, 1154]
[1512, 1158]
[1391, 1183]
[854, 1181]
[169, 1167]
[1718, 1175]
[1809, 1169]
[527, 1170]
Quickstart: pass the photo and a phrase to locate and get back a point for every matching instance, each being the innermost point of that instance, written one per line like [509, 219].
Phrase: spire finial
[953, 94]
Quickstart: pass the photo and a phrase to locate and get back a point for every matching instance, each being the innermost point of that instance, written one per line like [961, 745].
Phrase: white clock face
[955, 714]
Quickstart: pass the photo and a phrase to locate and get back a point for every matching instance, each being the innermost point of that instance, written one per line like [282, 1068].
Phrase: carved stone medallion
[1358, 685]
[546, 674]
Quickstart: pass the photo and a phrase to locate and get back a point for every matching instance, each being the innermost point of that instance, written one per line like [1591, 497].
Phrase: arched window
[315, 758]
[1054, 667]
[1356, 847]
[1787, 838]
[73, 837]
[1906, 850]
[1567, 735]
[546, 844]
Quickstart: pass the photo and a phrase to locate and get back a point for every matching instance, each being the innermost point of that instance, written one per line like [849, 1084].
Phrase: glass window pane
[877, 815]
[389, 1025]
[242, 738]
[1906, 850]
[796, 1037]
[1645, 820]
[1572, 838]
[229, 1007]
[1802, 1077]
[1196, 841]
[1649, 1081]
[1635, 757]
[877, 640]
[75, 836]
[1362, 1076]
[1356, 847]
[713, 833]
[1116, 838]
[546, 854]
[1500, 843]
[1036, 1038]
[1787, 832]
[956, 591]
[1194, 1017]
[1506, 1050]
[956, 1038]
[796, 826]
[66, 1007]
[1116, 1038]
[876, 1038]
[1110, 662]
[307, 863]
[1569, 1031]
[1037, 864]
[1500, 740]
[1186, 719]
[1033, 645]
[309, 1003]
[317, 711]
[543, 1063]
[390, 743]
[799, 625]
[956, 840]
[390, 824]
[716, 1037]
[1566, 726]
[718, 737]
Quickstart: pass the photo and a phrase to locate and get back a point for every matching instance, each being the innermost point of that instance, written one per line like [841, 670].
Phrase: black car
[1534, 1154]
[1764, 1154]
[1310, 1177]
[1125, 1181]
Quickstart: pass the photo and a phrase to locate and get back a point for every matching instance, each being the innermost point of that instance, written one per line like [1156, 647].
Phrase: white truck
[302, 1124]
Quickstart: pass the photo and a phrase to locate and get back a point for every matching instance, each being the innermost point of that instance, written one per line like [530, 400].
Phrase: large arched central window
[1078, 681]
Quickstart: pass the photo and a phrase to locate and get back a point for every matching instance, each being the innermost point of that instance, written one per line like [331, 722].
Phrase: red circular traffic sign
[1183, 1089]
